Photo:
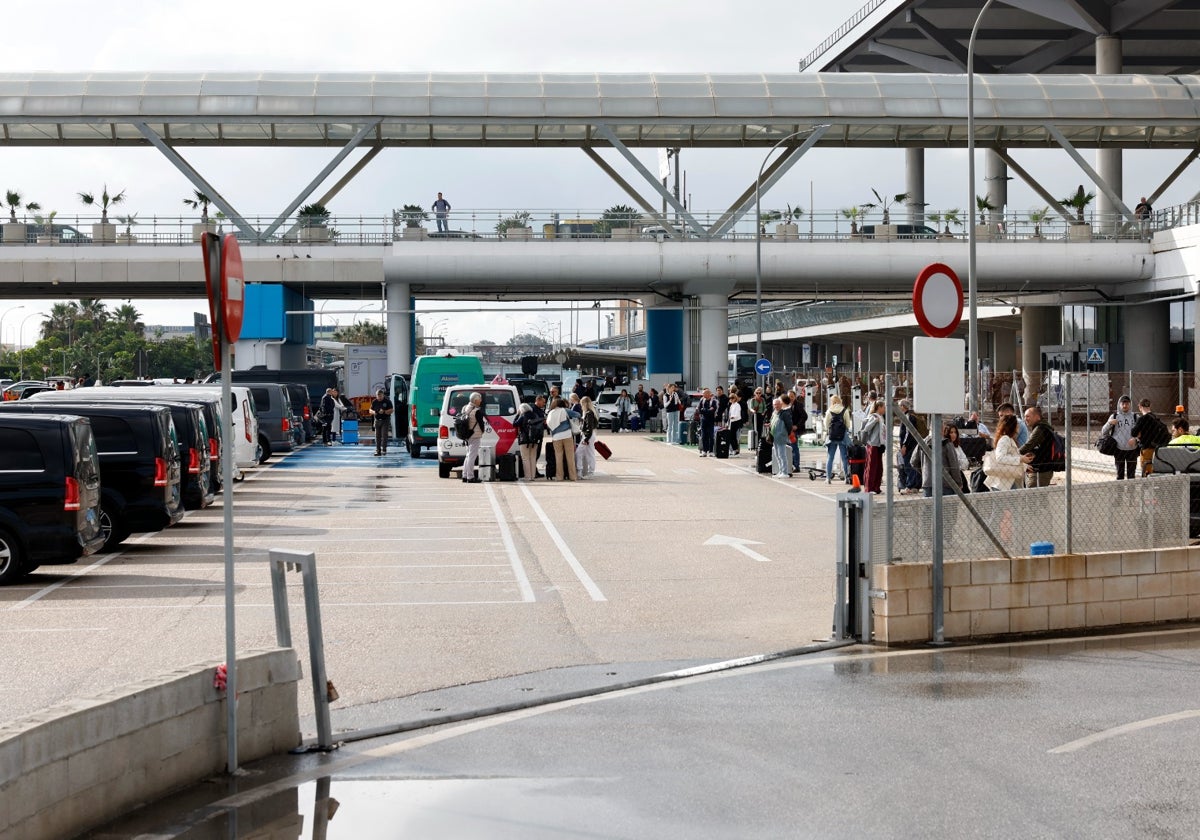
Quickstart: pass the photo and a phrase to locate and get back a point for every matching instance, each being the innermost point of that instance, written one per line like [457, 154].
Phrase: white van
[500, 407]
[243, 427]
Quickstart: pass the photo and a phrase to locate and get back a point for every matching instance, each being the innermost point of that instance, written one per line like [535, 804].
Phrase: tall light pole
[972, 279]
[2, 315]
[21, 338]
[758, 351]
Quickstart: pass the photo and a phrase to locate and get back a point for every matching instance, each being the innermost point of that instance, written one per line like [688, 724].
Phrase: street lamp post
[972, 279]
[2, 316]
[21, 339]
[758, 350]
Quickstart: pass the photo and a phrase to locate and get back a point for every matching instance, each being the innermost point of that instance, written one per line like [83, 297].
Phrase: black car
[49, 492]
[302, 413]
[140, 477]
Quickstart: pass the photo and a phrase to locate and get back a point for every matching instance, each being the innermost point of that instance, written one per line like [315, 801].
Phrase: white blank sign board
[938, 365]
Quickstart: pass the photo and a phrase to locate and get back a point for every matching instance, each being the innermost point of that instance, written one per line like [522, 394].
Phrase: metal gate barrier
[852, 593]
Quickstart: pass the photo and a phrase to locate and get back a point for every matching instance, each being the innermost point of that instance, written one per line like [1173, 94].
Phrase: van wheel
[443, 470]
[112, 529]
[264, 449]
[414, 449]
[11, 562]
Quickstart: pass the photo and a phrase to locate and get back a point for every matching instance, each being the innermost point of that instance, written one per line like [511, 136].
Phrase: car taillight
[160, 472]
[307, 412]
[287, 425]
[71, 502]
[213, 452]
[413, 415]
[443, 432]
[194, 461]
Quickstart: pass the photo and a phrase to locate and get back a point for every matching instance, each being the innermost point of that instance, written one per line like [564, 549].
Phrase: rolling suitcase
[635, 422]
[857, 454]
[765, 454]
[722, 444]
[551, 471]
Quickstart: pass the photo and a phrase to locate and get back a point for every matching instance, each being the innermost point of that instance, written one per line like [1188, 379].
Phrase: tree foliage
[362, 332]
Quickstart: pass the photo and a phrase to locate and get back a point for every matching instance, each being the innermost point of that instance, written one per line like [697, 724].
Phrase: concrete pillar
[1039, 325]
[914, 185]
[399, 328]
[995, 180]
[1109, 61]
[1146, 330]
[664, 339]
[714, 340]
[1006, 350]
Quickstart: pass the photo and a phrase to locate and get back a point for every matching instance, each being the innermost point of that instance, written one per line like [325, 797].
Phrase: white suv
[499, 406]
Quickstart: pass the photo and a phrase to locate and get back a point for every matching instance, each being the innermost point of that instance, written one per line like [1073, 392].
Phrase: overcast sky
[464, 35]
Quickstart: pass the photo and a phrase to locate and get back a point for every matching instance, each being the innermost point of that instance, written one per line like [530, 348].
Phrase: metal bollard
[852, 596]
[284, 560]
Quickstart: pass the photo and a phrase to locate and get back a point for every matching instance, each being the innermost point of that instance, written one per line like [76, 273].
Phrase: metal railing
[491, 225]
[840, 33]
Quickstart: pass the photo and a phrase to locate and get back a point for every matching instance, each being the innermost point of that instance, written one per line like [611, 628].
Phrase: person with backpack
[1148, 434]
[837, 435]
[910, 479]
[530, 424]
[1038, 452]
[470, 426]
[1120, 427]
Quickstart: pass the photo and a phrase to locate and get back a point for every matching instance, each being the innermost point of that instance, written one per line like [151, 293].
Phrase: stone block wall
[987, 598]
[83, 763]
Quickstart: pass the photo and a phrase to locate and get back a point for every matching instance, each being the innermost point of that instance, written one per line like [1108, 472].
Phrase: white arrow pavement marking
[738, 544]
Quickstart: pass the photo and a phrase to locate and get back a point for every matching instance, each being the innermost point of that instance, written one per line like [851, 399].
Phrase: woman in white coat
[1003, 465]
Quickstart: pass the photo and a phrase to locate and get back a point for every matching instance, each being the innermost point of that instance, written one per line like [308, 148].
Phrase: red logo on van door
[505, 432]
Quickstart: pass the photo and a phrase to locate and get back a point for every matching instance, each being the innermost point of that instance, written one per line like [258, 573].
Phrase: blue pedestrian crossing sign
[763, 367]
[1095, 355]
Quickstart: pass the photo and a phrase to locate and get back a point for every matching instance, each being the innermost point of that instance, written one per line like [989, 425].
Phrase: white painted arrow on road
[738, 544]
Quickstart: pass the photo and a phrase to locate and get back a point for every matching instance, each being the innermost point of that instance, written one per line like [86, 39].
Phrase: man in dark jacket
[1148, 433]
[910, 479]
[706, 415]
[1036, 451]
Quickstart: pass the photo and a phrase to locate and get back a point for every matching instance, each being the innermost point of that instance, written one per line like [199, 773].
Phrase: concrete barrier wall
[80, 764]
[988, 598]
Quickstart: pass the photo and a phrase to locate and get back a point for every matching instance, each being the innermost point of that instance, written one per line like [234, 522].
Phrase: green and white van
[431, 376]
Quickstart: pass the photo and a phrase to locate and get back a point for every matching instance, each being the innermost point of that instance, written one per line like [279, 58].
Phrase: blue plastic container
[350, 432]
[1039, 549]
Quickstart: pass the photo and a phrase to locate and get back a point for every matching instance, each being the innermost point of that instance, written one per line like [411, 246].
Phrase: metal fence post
[305, 562]
[1067, 456]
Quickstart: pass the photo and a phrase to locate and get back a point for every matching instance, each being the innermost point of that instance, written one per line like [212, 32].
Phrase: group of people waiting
[566, 428]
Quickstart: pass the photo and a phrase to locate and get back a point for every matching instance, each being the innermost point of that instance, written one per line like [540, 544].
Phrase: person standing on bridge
[441, 210]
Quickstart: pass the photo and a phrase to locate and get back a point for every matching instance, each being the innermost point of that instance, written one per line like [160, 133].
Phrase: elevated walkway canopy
[580, 109]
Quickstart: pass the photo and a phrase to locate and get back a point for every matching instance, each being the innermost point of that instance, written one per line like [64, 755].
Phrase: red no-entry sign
[937, 300]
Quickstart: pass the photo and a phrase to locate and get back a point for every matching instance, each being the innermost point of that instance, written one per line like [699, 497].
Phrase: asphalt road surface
[427, 583]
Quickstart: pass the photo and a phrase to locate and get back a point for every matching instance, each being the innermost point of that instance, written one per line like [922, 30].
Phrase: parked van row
[83, 469]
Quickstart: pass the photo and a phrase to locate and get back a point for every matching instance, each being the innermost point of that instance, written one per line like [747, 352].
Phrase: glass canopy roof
[542, 109]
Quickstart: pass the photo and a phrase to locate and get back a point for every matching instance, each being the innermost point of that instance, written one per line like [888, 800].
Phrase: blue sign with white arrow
[763, 367]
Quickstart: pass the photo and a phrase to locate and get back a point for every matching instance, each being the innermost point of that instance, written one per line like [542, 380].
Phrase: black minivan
[49, 492]
[191, 428]
[140, 481]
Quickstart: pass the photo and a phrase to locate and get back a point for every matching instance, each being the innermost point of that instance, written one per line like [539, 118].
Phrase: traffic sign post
[763, 367]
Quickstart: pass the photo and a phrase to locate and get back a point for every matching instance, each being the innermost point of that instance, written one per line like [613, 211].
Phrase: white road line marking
[639, 471]
[42, 593]
[63, 607]
[54, 629]
[572, 561]
[1125, 729]
[510, 547]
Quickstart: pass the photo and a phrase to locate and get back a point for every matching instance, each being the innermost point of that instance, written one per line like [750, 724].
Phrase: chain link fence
[1104, 516]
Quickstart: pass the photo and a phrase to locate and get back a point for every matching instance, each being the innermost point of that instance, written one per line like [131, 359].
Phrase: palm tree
[61, 319]
[200, 202]
[94, 311]
[127, 316]
[1078, 202]
[105, 201]
[1037, 216]
[984, 205]
[853, 214]
[13, 199]
[886, 204]
[362, 332]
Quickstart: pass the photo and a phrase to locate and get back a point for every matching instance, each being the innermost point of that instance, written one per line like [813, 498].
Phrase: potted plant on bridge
[946, 218]
[314, 223]
[14, 231]
[103, 232]
[200, 202]
[127, 238]
[885, 229]
[1038, 216]
[516, 226]
[414, 217]
[46, 234]
[619, 222]
[855, 214]
[788, 230]
[1078, 230]
[983, 205]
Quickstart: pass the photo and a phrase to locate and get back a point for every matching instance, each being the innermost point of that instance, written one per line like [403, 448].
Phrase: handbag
[1107, 444]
